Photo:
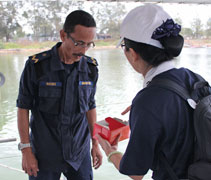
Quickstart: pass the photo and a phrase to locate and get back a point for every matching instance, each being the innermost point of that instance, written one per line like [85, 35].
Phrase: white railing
[2, 79]
[7, 140]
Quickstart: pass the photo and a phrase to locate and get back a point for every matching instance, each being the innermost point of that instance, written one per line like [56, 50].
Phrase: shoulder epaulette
[40, 56]
[91, 60]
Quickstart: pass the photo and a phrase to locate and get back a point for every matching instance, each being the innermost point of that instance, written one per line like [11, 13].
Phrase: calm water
[118, 84]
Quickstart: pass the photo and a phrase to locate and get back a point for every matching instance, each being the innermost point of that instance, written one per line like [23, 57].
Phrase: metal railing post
[2, 79]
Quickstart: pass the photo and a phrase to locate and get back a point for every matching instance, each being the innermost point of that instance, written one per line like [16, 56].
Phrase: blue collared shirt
[58, 99]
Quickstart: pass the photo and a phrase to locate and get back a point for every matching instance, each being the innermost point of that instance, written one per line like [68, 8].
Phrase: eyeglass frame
[80, 43]
[123, 46]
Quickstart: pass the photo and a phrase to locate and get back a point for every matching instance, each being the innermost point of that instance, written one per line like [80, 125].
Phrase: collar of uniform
[83, 65]
[56, 63]
[165, 66]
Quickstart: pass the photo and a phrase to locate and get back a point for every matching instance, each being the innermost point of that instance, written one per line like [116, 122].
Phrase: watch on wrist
[22, 146]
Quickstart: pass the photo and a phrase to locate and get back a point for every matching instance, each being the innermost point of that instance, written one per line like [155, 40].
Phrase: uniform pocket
[50, 97]
[85, 92]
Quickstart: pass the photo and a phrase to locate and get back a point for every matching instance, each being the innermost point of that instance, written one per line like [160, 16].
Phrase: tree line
[44, 19]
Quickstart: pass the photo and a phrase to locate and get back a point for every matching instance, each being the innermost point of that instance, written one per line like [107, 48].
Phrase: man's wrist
[22, 146]
[26, 150]
[94, 141]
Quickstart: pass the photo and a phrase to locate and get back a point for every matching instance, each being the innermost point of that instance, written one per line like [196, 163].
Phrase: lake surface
[118, 84]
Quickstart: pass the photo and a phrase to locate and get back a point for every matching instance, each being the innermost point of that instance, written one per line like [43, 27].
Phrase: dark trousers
[83, 173]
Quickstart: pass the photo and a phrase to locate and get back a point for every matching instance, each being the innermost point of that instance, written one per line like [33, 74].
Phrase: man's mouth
[78, 55]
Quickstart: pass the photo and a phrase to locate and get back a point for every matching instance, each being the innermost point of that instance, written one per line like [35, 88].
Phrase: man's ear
[135, 55]
[62, 35]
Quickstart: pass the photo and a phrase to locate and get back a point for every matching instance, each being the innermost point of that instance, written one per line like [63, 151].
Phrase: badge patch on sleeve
[85, 83]
[57, 84]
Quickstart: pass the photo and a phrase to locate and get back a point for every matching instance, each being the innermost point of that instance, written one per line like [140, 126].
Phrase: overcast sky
[187, 12]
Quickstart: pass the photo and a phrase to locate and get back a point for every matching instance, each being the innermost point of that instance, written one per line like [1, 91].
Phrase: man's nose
[84, 49]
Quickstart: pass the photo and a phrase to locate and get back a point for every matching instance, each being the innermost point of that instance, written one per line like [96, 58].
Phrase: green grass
[108, 42]
[10, 45]
[26, 45]
[47, 44]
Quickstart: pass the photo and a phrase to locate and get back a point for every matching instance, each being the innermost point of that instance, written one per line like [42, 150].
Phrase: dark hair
[78, 17]
[154, 55]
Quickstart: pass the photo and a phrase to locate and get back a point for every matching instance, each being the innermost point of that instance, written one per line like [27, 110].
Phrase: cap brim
[120, 41]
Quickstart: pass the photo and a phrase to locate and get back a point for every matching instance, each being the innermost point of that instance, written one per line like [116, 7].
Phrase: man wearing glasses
[58, 88]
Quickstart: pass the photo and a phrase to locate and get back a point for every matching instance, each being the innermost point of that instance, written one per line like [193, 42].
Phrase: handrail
[2, 79]
[7, 140]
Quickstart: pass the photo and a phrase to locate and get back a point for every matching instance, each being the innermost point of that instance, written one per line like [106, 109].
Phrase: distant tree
[78, 4]
[19, 33]
[38, 19]
[178, 20]
[197, 28]
[187, 32]
[46, 17]
[9, 24]
[54, 18]
[208, 29]
[60, 9]
[109, 17]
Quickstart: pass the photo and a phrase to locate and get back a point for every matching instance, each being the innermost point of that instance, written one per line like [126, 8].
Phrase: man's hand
[96, 154]
[29, 162]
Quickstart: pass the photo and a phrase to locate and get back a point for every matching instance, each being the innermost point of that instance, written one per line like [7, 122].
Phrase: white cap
[141, 22]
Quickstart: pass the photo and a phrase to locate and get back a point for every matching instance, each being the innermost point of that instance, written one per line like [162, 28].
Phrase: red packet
[110, 128]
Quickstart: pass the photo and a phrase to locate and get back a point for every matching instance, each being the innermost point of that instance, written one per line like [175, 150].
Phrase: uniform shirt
[59, 97]
[160, 120]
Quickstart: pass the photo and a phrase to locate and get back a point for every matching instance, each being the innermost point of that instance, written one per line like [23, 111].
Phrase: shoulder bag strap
[171, 85]
[182, 92]
[169, 169]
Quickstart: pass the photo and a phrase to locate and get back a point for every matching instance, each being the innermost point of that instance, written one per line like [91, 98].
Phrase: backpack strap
[200, 78]
[171, 85]
[169, 169]
[184, 94]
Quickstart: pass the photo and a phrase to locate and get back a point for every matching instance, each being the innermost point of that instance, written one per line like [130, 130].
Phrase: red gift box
[110, 128]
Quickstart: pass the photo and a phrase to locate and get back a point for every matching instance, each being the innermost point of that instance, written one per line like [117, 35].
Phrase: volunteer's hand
[29, 162]
[126, 110]
[96, 154]
[106, 146]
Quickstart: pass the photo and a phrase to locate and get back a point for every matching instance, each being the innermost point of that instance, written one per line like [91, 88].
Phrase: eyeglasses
[81, 43]
[124, 47]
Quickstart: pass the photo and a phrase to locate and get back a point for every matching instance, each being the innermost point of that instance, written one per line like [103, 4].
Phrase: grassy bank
[47, 44]
[28, 45]
[198, 42]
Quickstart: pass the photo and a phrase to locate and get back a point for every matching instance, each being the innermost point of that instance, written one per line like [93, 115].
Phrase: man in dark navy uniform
[58, 88]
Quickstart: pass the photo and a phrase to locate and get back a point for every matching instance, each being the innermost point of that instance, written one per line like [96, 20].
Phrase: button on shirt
[59, 97]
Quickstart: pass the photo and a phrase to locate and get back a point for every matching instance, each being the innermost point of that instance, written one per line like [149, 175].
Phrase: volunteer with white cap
[159, 118]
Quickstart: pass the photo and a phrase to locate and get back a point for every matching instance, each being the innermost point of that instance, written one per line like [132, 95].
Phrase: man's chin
[78, 58]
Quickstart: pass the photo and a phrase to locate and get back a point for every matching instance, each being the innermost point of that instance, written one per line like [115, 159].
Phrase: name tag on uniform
[57, 84]
[85, 83]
